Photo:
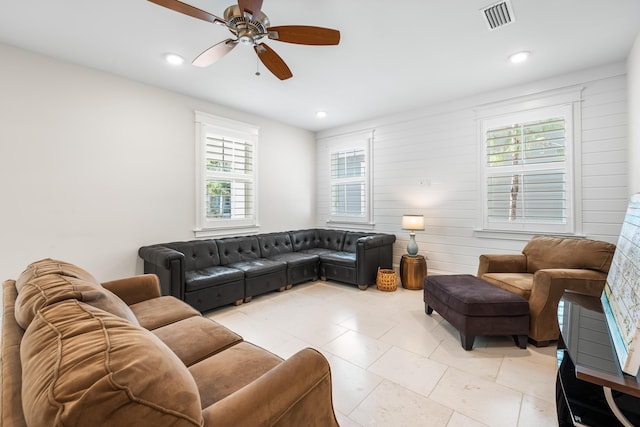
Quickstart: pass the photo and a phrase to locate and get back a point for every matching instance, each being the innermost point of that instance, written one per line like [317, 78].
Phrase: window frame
[206, 126]
[565, 103]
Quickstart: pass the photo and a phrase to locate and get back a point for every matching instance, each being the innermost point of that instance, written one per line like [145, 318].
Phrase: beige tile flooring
[392, 365]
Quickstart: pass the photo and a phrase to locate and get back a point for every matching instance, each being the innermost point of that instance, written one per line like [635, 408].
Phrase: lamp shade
[413, 222]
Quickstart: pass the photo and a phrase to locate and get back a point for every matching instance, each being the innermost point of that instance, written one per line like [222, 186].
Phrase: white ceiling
[393, 56]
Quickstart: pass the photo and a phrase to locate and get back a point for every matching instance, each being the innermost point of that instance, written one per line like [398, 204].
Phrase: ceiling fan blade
[189, 10]
[214, 53]
[251, 6]
[272, 61]
[304, 34]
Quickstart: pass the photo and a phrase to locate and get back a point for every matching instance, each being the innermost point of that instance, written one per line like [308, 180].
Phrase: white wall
[427, 162]
[93, 166]
[633, 70]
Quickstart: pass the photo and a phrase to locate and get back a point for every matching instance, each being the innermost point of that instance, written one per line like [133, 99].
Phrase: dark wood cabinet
[591, 389]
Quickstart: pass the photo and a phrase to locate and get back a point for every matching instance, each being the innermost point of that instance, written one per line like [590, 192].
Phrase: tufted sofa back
[331, 239]
[351, 241]
[319, 238]
[303, 240]
[198, 254]
[236, 249]
[275, 244]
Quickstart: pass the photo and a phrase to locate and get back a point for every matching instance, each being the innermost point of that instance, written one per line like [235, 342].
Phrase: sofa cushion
[232, 369]
[196, 338]
[259, 267]
[83, 366]
[330, 239]
[557, 252]
[40, 292]
[347, 259]
[157, 312]
[517, 283]
[198, 254]
[51, 266]
[317, 251]
[203, 278]
[236, 249]
[303, 240]
[295, 259]
[274, 244]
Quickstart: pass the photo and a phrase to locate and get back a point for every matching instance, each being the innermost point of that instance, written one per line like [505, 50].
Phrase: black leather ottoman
[477, 308]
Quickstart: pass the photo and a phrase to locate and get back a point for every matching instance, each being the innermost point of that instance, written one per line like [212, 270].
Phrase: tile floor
[392, 365]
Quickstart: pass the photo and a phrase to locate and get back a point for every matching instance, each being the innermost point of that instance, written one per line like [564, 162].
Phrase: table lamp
[413, 223]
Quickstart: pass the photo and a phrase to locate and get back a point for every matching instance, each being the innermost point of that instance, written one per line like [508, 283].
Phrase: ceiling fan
[249, 25]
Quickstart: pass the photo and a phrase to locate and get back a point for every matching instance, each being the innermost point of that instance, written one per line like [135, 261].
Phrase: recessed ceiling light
[321, 114]
[519, 57]
[174, 59]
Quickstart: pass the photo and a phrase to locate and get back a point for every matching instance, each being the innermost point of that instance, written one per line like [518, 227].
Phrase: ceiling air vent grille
[498, 15]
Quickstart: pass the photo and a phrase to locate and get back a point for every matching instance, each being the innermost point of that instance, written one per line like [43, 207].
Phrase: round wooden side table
[413, 270]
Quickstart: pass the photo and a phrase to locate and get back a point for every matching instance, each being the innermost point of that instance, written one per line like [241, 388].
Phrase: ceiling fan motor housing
[248, 30]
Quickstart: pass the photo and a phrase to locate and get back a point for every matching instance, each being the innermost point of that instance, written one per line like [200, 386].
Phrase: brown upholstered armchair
[546, 268]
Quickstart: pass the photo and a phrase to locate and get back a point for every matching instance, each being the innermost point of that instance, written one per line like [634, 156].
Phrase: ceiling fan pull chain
[257, 65]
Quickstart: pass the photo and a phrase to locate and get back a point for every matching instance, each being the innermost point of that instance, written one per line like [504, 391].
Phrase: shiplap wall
[428, 163]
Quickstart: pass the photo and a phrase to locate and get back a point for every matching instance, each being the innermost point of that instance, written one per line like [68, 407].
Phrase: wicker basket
[387, 280]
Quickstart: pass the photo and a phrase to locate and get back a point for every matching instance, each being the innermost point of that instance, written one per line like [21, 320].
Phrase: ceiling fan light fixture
[246, 40]
[321, 114]
[174, 59]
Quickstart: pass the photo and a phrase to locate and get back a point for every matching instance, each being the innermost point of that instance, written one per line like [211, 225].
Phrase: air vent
[498, 15]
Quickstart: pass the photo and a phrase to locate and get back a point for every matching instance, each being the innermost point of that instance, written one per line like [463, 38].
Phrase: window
[348, 185]
[528, 170]
[226, 179]
[350, 172]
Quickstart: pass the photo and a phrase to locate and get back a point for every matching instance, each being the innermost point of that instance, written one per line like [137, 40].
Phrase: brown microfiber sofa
[79, 353]
[546, 268]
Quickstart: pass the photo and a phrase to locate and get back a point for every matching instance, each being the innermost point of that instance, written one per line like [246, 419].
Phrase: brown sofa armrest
[547, 290]
[295, 393]
[502, 263]
[11, 413]
[135, 289]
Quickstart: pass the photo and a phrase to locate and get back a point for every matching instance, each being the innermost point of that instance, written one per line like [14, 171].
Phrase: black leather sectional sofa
[216, 272]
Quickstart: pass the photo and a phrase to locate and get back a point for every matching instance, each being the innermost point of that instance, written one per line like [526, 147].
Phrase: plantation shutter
[229, 178]
[526, 172]
[348, 188]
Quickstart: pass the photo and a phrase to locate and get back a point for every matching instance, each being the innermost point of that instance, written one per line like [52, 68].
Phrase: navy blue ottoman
[477, 308]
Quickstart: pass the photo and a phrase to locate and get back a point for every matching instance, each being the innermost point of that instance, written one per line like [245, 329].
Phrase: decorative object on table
[387, 280]
[413, 223]
[413, 270]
